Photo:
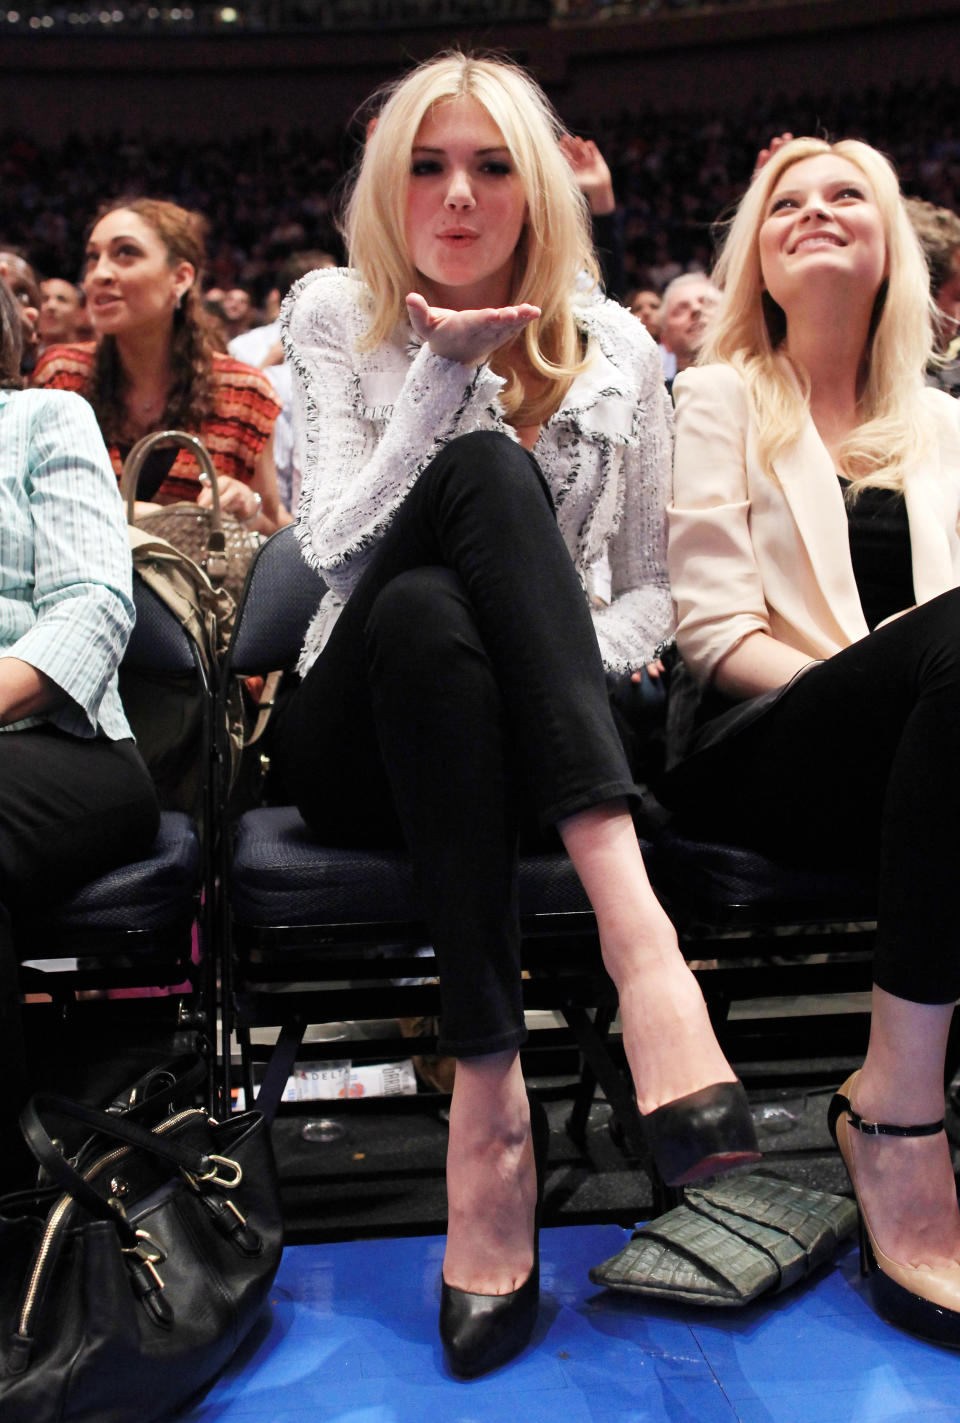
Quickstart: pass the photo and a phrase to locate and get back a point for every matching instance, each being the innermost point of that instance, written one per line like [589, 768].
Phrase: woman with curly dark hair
[153, 365]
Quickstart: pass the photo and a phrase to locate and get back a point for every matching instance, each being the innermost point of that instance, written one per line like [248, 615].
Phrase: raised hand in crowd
[765, 154]
[591, 172]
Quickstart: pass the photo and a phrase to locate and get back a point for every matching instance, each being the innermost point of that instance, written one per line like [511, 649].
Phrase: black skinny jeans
[461, 691]
[859, 762]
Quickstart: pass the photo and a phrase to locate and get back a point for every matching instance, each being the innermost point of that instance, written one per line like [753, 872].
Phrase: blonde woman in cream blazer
[781, 542]
[815, 562]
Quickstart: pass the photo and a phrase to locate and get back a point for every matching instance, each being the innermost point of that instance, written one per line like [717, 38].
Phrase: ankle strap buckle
[887, 1129]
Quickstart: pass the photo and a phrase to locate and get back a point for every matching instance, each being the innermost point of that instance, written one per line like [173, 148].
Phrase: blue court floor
[353, 1339]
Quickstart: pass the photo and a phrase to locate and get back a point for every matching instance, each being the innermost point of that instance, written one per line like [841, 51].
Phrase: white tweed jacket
[368, 422]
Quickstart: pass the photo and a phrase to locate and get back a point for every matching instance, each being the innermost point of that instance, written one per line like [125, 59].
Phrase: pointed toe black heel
[483, 1332]
[922, 1299]
[702, 1134]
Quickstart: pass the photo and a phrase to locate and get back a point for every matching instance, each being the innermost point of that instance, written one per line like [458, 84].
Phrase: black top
[154, 469]
[880, 551]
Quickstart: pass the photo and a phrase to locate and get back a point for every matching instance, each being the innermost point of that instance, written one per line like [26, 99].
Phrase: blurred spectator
[59, 311]
[665, 266]
[260, 346]
[687, 304]
[284, 442]
[939, 232]
[237, 311]
[647, 305]
[21, 279]
[82, 325]
[217, 322]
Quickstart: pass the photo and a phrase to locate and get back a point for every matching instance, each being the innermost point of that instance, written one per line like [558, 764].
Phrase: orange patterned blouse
[245, 408]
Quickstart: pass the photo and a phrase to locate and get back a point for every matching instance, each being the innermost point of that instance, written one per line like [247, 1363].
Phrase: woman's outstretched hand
[469, 337]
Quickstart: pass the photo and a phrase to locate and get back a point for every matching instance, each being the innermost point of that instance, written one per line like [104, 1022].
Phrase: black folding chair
[316, 933]
[772, 930]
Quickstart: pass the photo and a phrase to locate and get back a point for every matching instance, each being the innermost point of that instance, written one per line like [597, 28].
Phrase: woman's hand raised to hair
[765, 154]
[469, 337]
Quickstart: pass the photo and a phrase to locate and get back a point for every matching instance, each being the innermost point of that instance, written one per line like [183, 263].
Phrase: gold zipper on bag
[64, 1203]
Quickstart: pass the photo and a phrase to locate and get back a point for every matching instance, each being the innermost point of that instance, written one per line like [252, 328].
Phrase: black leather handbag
[128, 1282]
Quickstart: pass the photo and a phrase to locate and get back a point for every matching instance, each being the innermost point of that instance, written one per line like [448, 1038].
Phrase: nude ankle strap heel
[925, 1300]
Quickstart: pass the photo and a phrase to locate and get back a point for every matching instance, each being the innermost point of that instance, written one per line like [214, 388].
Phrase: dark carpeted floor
[384, 1174]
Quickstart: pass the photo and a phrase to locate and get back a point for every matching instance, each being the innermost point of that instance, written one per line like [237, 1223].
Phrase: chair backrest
[281, 595]
[158, 643]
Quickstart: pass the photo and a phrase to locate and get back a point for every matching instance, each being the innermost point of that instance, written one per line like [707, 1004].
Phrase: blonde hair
[555, 245]
[749, 327]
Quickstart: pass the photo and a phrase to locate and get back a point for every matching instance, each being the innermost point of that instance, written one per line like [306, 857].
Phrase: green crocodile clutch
[729, 1243]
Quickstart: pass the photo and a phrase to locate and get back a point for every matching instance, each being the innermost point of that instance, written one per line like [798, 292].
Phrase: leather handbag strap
[134, 462]
[265, 706]
[119, 1128]
[214, 561]
[159, 1086]
[281, 1064]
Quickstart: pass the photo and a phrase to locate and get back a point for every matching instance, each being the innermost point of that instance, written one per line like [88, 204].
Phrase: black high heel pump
[702, 1134]
[482, 1332]
[925, 1300]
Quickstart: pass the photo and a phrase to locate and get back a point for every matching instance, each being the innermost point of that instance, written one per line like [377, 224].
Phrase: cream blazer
[749, 553]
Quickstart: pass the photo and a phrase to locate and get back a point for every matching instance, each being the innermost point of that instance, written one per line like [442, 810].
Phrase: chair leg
[246, 1063]
[16, 1163]
[226, 1037]
[622, 1102]
[583, 1098]
[620, 1098]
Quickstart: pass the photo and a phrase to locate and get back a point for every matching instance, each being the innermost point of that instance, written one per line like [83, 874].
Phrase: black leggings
[461, 692]
[859, 762]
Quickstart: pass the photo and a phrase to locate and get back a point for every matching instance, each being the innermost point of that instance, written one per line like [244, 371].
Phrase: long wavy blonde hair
[749, 328]
[556, 242]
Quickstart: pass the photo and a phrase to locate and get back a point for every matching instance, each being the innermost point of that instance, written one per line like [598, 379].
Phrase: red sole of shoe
[715, 1165]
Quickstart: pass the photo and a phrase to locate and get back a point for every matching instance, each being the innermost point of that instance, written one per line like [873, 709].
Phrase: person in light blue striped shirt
[75, 796]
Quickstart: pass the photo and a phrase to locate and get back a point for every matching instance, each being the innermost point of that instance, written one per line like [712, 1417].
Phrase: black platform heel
[702, 1134]
[483, 1332]
[924, 1300]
